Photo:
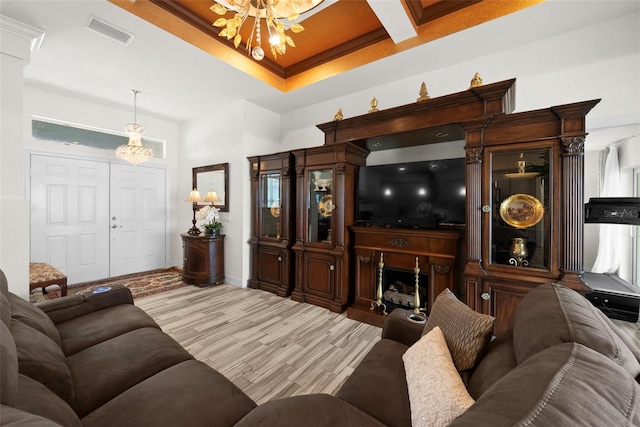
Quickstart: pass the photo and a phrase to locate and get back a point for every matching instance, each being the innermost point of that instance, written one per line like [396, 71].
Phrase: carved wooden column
[572, 258]
[298, 246]
[473, 271]
[254, 175]
[572, 135]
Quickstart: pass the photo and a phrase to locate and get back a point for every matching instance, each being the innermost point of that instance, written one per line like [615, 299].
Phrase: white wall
[228, 136]
[15, 53]
[111, 118]
[600, 61]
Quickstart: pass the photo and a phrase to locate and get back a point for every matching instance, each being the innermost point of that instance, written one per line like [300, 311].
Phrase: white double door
[94, 220]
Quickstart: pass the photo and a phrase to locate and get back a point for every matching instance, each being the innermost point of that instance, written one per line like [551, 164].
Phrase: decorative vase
[208, 232]
[519, 251]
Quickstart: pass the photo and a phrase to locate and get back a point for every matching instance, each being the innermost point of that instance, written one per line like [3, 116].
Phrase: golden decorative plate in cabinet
[521, 210]
[275, 208]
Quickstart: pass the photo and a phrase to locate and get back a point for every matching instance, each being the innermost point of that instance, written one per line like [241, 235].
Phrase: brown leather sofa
[562, 364]
[101, 361]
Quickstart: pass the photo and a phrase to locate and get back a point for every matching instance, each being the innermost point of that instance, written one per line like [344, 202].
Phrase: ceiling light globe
[274, 40]
[257, 53]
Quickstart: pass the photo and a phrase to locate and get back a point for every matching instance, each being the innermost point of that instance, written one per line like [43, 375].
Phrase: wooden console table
[436, 251]
[203, 260]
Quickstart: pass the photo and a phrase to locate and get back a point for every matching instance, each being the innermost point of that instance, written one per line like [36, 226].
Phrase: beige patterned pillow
[466, 331]
[437, 395]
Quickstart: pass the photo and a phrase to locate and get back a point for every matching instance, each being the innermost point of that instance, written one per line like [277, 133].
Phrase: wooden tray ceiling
[342, 36]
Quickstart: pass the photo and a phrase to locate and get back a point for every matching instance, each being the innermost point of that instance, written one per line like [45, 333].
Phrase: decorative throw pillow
[466, 331]
[437, 395]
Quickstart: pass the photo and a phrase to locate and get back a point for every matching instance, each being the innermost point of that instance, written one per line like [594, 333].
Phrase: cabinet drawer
[418, 242]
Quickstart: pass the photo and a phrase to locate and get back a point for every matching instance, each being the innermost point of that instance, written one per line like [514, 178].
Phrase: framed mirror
[213, 180]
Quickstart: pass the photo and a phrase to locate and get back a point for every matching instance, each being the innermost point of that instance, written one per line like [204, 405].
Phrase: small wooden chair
[42, 275]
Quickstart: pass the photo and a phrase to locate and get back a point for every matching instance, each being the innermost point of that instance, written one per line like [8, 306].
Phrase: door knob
[279, 258]
[485, 296]
[332, 267]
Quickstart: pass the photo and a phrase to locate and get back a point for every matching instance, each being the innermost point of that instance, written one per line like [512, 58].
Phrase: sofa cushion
[32, 316]
[35, 398]
[92, 328]
[12, 417]
[378, 386]
[568, 384]
[467, 332]
[9, 369]
[436, 392]
[63, 309]
[312, 410]
[5, 307]
[552, 314]
[40, 358]
[188, 394]
[497, 362]
[105, 370]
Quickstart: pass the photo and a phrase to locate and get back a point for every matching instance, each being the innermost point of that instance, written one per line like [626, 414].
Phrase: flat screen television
[422, 194]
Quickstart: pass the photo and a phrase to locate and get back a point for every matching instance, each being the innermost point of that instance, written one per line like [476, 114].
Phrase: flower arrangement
[211, 215]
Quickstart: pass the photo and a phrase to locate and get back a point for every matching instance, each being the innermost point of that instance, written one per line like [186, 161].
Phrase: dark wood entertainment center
[434, 251]
[524, 184]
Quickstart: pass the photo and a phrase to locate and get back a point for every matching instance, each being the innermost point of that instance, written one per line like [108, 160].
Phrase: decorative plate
[275, 208]
[521, 210]
[326, 206]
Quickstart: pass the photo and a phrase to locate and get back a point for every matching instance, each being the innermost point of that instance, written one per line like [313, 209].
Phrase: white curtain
[608, 260]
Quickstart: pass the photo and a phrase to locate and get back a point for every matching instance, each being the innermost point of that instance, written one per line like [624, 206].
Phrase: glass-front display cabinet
[326, 204]
[273, 224]
[521, 208]
[320, 205]
[525, 206]
[269, 184]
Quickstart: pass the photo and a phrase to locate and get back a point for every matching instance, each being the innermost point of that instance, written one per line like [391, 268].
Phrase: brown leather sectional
[101, 361]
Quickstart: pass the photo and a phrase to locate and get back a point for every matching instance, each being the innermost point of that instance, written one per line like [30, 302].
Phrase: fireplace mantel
[435, 250]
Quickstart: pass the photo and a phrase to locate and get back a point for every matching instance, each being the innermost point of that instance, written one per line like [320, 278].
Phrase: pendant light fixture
[134, 152]
[278, 16]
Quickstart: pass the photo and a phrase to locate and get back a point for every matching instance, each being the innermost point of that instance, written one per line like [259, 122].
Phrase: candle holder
[378, 304]
[417, 315]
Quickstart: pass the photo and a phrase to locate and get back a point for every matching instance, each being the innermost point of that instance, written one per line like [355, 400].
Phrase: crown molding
[34, 35]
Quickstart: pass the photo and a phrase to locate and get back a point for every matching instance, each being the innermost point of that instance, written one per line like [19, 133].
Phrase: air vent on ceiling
[109, 30]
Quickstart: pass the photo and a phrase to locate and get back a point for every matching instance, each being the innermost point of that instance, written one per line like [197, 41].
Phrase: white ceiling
[179, 82]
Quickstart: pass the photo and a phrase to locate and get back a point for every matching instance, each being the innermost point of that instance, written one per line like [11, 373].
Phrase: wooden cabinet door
[270, 265]
[196, 258]
[203, 260]
[502, 299]
[319, 275]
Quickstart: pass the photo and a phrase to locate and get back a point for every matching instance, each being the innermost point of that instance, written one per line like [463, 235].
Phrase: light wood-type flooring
[270, 347]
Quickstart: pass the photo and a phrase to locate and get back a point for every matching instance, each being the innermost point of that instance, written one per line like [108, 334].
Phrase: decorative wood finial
[338, 116]
[374, 105]
[424, 95]
[476, 81]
